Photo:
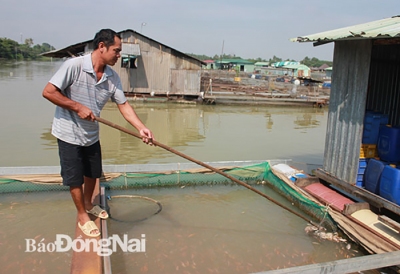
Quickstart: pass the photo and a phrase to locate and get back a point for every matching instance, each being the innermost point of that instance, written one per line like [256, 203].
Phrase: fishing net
[132, 208]
[286, 187]
[256, 174]
[17, 184]
[249, 174]
[125, 180]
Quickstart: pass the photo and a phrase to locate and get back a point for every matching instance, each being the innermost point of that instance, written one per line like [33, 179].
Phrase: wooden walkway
[220, 98]
[89, 262]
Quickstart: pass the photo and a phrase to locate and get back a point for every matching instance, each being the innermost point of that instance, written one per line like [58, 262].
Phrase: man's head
[106, 36]
[108, 42]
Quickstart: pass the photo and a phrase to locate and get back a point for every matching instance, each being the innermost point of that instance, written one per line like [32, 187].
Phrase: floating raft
[265, 99]
[377, 234]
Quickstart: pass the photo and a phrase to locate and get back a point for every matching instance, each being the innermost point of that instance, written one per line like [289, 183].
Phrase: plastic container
[361, 170]
[389, 144]
[285, 169]
[372, 123]
[390, 184]
[368, 151]
[372, 175]
[297, 176]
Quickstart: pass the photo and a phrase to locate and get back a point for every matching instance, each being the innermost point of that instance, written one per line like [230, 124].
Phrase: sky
[248, 29]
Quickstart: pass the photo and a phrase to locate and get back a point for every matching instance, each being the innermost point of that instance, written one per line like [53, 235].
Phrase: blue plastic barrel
[389, 188]
[389, 144]
[362, 165]
[372, 122]
[372, 175]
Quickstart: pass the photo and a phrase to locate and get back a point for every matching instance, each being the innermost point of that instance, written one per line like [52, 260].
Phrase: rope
[326, 212]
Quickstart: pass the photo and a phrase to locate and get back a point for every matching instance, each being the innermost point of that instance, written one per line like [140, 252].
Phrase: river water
[204, 132]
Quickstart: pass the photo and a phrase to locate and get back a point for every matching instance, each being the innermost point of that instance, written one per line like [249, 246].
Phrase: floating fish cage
[125, 177]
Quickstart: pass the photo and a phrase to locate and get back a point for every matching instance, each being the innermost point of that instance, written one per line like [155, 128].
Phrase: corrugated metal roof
[238, 61]
[297, 66]
[79, 48]
[261, 64]
[385, 28]
[284, 63]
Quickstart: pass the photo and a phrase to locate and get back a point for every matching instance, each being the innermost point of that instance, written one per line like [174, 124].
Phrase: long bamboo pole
[156, 143]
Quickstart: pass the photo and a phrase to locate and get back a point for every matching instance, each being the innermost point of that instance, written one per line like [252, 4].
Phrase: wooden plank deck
[371, 221]
[88, 262]
[393, 224]
[257, 100]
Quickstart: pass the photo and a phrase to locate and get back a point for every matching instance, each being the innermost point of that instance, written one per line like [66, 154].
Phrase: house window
[129, 62]
[129, 55]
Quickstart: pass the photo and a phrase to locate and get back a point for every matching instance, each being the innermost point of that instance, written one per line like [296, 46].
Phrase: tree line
[10, 49]
[310, 62]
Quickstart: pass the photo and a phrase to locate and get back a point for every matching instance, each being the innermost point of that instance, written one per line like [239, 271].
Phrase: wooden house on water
[148, 67]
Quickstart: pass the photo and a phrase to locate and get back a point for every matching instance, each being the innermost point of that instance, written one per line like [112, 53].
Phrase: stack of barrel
[380, 157]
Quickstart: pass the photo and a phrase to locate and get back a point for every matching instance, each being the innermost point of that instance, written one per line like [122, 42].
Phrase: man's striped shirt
[77, 80]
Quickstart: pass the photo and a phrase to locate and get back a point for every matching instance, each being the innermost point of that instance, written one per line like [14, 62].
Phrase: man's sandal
[89, 227]
[98, 212]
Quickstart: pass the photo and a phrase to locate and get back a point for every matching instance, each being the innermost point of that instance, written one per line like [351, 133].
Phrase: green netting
[254, 174]
[250, 174]
[299, 200]
[13, 186]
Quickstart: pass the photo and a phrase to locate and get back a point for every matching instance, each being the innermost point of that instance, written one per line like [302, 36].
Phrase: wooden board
[371, 220]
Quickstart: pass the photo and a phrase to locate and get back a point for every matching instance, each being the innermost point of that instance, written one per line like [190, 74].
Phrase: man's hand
[147, 136]
[85, 112]
[130, 115]
[54, 95]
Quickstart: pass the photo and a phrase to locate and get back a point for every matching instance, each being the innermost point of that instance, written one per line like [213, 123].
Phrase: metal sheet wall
[346, 108]
[384, 82]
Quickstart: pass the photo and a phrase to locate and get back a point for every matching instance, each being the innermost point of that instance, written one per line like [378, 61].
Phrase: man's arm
[130, 115]
[54, 95]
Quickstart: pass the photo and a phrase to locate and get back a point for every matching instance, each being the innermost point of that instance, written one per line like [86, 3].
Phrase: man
[80, 89]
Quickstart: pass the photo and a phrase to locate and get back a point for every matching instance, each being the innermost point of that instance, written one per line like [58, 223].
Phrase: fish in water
[322, 234]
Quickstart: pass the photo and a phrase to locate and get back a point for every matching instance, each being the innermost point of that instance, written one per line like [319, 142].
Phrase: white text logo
[103, 247]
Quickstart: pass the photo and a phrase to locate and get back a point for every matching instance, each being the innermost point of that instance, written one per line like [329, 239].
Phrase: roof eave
[75, 49]
[381, 29]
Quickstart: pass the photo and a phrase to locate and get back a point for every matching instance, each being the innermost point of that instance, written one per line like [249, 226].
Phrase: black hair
[106, 36]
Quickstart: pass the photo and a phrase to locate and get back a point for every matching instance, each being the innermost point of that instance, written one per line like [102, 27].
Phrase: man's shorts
[78, 161]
